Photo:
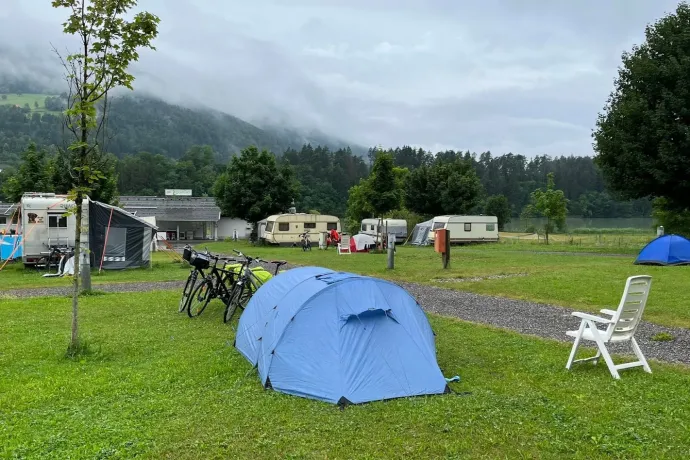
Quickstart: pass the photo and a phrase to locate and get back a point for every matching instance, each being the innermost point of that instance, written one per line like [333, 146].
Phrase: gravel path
[541, 320]
[518, 315]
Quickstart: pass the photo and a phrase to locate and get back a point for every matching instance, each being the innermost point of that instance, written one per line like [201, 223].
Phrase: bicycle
[199, 263]
[247, 283]
[214, 285]
[306, 244]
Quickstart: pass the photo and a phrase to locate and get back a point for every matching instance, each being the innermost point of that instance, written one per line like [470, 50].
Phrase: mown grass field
[31, 99]
[566, 278]
[160, 385]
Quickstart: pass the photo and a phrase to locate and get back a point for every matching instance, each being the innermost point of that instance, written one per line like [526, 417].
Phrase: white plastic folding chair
[344, 245]
[621, 326]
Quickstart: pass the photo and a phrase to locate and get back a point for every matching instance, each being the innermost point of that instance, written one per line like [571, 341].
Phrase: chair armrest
[589, 317]
[607, 312]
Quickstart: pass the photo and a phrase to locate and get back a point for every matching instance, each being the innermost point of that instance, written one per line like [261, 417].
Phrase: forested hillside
[138, 124]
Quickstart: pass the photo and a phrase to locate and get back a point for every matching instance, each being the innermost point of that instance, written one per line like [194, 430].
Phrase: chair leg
[576, 345]
[640, 356]
[595, 361]
[607, 357]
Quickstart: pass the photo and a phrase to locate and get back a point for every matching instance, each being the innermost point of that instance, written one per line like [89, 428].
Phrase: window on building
[310, 225]
[334, 226]
[438, 225]
[3, 220]
[57, 221]
[490, 227]
[468, 227]
[283, 226]
[269, 226]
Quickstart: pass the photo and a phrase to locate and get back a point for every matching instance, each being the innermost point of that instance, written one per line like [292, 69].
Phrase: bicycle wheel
[233, 302]
[200, 297]
[188, 288]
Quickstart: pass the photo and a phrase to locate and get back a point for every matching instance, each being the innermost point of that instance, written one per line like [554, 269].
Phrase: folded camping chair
[621, 326]
[344, 245]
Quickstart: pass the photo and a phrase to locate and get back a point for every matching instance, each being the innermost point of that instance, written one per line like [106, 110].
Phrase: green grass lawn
[587, 282]
[160, 385]
[31, 99]
[15, 276]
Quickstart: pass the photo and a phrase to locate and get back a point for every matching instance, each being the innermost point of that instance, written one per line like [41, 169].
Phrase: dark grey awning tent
[420, 234]
[118, 239]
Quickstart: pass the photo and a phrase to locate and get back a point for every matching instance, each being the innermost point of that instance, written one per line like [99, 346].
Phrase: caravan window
[57, 221]
[269, 227]
[3, 220]
[283, 226]
[438, 225]
[490, 227]
[333, 226]
[468, 227]
[364, 227]
[309, 225]
[371, 227]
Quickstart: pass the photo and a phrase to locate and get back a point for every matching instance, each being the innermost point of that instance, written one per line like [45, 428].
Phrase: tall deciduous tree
[498, 205]
[550, 204]
[382, 191]
[253, 187]
[642, 138]
[109, 40]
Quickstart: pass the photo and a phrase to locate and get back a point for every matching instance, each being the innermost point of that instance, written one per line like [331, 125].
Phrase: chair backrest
[631, 307]
[345, 241]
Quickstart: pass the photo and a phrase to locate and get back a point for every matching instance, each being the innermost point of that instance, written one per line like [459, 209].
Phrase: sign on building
[178, 192]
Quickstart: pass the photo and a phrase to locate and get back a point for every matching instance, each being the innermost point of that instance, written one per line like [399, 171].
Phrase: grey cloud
[526, 76]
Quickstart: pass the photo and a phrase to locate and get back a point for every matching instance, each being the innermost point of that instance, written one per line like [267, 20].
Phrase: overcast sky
[521, 76]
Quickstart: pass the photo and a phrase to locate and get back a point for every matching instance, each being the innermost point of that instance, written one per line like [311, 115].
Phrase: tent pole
[107, 231]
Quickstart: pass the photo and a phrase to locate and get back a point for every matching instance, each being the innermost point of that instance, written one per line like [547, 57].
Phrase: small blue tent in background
[665, 250]
[339, 337]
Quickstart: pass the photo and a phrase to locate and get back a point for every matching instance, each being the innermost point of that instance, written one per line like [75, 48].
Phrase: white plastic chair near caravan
[621, 326]
[344, 245]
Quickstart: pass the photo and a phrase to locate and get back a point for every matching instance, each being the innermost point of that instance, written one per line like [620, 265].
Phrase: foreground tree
[550, 204]
[253, 187]
[108, 42]
[642, 138]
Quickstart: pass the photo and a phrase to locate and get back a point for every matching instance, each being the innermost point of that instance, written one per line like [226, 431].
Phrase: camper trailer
[397, 226]
[285, 229]
[116, 238]
[45, 225]
[466, 229]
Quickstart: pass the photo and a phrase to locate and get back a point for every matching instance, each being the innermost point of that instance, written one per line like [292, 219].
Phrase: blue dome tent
[665, 250]
[340, 338]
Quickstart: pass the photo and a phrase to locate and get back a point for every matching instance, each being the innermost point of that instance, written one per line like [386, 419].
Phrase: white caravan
[466, 229]
[45, 225]
[285, 229]
[397, 226]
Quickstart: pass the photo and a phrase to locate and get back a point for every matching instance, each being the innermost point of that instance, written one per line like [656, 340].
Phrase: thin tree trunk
[74, 342]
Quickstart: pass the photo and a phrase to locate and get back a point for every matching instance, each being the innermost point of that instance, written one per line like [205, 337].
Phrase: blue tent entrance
[339, 337]
[665, 250]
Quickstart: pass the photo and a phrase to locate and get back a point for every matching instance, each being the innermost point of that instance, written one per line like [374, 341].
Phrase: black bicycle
[199, 262]
[246, 284]
[217, 284]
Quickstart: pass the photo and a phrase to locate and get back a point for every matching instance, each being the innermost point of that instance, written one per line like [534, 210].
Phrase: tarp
[665, 250]
[8, 243]
[361, 243]
[420, 233]
[339, 337]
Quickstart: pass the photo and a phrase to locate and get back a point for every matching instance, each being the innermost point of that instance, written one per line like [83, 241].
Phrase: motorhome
[397, 226]
[285, 229]
[45, 225]
[466, 229]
